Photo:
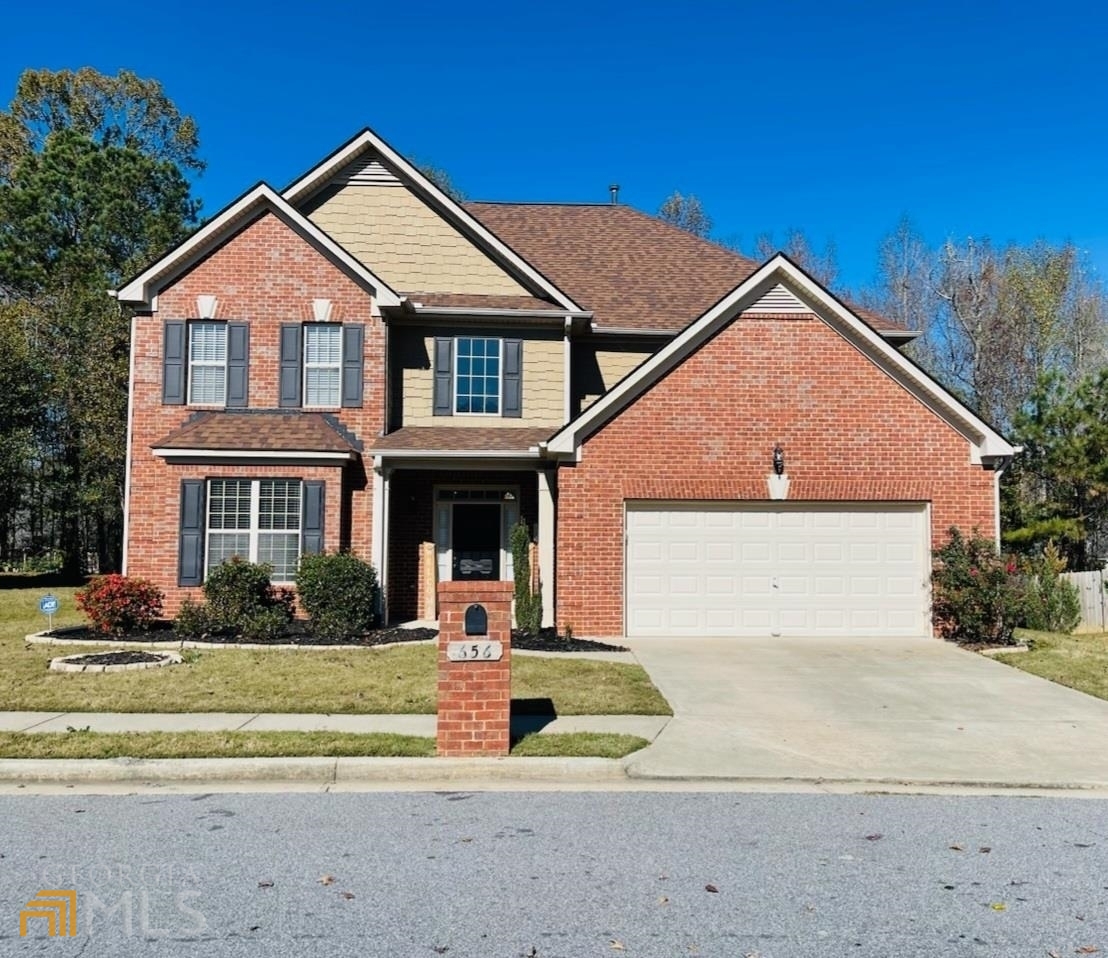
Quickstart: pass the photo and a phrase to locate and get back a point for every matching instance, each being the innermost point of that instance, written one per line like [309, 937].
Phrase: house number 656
[474, 651]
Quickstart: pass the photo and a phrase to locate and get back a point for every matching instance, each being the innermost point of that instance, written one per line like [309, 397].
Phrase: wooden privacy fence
[1094, 600]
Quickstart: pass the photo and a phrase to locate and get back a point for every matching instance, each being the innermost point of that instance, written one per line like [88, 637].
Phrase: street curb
[317, 771]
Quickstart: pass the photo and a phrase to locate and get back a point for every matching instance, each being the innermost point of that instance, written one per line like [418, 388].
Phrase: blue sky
[973, 118]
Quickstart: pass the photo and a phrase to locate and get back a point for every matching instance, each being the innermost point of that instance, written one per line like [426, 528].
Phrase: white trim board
[779, 270]
[143, 288]
[320, 175]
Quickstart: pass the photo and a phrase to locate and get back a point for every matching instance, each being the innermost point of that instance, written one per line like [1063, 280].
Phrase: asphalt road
[557, 875]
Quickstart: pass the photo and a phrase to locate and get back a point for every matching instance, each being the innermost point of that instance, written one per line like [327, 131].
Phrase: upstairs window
[477, 375]
[205, 363]
[323, 365]
[207, 376]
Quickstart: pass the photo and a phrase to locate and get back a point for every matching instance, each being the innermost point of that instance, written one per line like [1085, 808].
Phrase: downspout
[130, 421]
[1001, 465]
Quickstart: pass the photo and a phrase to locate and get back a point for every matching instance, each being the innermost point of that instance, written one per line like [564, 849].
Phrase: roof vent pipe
[614, 190]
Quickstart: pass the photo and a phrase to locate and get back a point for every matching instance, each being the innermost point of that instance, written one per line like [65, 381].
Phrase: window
[207, 378]
[256, 519]
[323, 365]
[477, 376]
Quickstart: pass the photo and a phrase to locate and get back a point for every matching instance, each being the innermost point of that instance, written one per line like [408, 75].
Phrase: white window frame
[337, 404]
[193, 364]
[499, 376]
[255, 533]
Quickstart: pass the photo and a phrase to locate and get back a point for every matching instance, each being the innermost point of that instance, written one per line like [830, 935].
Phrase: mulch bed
[547, 640]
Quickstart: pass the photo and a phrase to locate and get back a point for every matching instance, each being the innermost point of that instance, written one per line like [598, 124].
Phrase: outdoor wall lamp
[778, 461]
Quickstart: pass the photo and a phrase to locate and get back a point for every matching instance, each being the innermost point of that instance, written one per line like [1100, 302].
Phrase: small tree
[528, 602]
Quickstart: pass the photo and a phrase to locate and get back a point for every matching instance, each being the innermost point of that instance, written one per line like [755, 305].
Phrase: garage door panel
[785, 568]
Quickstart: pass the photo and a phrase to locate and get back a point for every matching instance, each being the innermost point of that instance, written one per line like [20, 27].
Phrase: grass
[349, 681]
[1077, 661]
[81, 744]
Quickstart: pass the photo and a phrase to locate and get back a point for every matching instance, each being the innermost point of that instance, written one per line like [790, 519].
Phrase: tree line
[94, 185]
[1020, 334]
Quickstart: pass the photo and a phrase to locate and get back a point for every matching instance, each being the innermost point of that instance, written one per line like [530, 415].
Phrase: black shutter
[289, 391]
[311, 525]
[173, 363]
[353, 341]
[190, 554]
[444, 376]
[238, 357]
[513, 378]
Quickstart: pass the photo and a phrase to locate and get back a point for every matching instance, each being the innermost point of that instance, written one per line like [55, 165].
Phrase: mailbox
[477, 620]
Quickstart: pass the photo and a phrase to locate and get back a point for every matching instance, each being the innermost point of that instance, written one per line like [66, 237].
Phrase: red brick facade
[475, 698]
[707, 431]
[265, 275]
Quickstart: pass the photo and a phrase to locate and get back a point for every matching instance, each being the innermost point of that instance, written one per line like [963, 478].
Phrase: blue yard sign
[48, 606]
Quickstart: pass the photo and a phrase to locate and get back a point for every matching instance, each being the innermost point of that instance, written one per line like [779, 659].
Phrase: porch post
[379, 545]
[546, 544]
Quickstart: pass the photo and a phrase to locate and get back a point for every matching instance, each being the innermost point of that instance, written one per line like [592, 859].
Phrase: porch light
[206, 306]
[509, 497]
[321, 310]
[778, 461]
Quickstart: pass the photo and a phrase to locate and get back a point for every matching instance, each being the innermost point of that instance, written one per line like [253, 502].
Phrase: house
[359, 362]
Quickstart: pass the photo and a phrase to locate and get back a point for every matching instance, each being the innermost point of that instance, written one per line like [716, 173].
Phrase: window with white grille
[207, 364]
[322, 365]
[255, 519]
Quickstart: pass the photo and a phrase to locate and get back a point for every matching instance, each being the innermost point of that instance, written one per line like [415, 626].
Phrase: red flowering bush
[978, 597]
[116, 604]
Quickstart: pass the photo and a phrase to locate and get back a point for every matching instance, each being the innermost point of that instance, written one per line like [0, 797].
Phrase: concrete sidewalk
[644, 726]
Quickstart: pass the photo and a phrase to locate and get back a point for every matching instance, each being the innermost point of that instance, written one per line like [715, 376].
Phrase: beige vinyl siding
[406, 243]
[597, 369]
[543, 379]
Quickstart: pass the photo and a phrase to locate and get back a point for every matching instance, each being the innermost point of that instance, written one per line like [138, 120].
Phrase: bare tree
[686, 212]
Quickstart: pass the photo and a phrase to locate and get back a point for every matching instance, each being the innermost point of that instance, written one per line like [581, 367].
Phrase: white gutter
[172, 452]
[531, 453]
[554, 315]
[629, 331]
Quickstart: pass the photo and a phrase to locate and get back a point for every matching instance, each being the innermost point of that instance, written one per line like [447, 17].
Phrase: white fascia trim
[172, 452]
[139, 291]
[367, 139]
[451, 312]
[532, 453]
[774, 270]
[127, 459]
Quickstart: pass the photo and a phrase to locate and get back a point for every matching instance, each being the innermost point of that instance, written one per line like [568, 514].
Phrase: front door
[476, 534]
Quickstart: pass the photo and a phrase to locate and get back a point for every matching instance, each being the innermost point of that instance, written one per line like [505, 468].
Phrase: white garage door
[757, 569]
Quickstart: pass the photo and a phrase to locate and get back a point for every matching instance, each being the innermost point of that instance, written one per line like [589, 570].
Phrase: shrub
[528, 603]
[978, 595]
[193, 620]
[1051, 603]
[238, 590]
[263, 625]
[119, 604]
[339, 592]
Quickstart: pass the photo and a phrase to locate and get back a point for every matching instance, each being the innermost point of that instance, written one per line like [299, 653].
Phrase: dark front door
[476, 540]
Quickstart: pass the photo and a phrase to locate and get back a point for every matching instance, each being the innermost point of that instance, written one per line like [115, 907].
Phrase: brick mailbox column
[475, 671]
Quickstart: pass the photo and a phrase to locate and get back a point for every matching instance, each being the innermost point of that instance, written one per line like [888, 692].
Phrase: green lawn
[393, 680]
[1077, 661]
[80, 744]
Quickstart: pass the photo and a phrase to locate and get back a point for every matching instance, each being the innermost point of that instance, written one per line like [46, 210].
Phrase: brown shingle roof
[462, 438]
[261, 431]
[631, 269]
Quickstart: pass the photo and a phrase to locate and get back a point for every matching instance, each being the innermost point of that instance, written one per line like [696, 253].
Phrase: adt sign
[48, 605]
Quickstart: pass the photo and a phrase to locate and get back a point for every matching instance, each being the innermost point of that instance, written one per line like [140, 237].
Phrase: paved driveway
[904, 710]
